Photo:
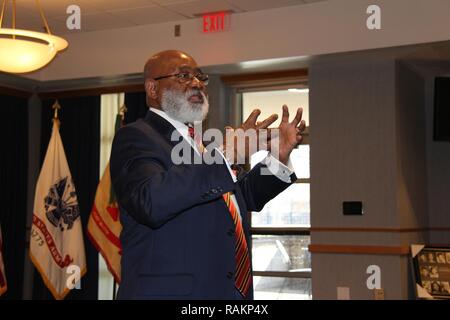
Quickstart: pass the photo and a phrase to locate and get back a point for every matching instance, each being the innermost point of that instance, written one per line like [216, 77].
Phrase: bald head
[166, 62]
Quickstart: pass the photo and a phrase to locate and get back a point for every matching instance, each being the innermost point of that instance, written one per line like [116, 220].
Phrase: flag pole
[123, 109]
[114, 289]
[56, 106]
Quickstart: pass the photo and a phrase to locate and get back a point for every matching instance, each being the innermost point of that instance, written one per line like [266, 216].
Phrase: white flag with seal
[56, 243]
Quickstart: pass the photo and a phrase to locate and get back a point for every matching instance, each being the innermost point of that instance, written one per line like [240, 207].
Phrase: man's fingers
[298, 117]
[285, 116]
[251, 120]
[267, 122]
[302, 126]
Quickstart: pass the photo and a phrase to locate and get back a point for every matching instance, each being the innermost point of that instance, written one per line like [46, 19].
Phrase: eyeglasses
[185, 77]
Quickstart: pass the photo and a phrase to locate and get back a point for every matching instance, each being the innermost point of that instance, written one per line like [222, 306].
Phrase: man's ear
[151, 88]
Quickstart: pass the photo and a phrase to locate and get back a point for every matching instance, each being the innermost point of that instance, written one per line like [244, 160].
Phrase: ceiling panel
[169, 2]
[54, 8]
[24, 20]
[109, 5]
[147, 15]
[191, 8]
[102, 21]
[58, 27]
[254, 5]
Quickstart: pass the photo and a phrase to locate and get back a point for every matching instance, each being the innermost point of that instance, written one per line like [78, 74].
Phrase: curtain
[136, 106]
[80, 133]
[13, 193]
[110, 105]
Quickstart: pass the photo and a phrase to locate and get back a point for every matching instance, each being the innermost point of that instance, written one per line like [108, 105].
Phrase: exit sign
[216, 22]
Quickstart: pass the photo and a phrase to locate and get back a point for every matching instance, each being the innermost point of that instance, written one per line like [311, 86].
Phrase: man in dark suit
[185, 231]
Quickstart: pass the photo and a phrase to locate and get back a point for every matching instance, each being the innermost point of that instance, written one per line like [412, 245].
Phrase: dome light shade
[32, 51]
[24, 51]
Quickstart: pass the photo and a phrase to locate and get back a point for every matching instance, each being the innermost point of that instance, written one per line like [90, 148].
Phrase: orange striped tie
[243, 277]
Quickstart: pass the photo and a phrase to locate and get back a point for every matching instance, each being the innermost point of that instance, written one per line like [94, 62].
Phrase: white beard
[178, 107]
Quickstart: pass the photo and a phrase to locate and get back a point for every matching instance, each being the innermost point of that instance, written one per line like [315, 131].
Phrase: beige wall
[346, 270]
[304, 30]
[352, 115]
[412, 206]
[368, 143]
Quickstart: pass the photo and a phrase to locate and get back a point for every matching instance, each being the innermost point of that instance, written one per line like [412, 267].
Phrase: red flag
[104, 225]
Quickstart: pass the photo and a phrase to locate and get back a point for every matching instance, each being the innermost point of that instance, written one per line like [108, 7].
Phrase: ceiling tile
[54, 8]
[24, 21]
[191, 8]
[59, 27]
[169, 2]
[109, 5]
[147, 15]
[102, 21]
[253, 5]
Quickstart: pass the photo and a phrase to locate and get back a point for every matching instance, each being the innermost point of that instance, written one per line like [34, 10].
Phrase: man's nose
[197, 84]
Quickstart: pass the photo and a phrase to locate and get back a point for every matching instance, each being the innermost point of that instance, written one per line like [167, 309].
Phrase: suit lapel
[161, 125]
[166, 129]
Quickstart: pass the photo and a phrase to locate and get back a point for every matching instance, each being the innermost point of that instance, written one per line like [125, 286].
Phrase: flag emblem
[61, 206]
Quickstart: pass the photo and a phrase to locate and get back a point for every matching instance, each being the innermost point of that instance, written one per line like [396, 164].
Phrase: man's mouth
[196, 98]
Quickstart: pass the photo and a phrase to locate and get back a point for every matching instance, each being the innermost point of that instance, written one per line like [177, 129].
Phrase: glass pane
[281, 253]
[290, 208]
[300, 161]
[270, 102]
[277, 288]
[299, 158]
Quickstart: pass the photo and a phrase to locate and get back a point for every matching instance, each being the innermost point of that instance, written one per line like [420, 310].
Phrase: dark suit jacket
[178, 236]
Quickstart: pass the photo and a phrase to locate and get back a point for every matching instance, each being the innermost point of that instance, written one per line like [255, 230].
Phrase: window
[280, 231]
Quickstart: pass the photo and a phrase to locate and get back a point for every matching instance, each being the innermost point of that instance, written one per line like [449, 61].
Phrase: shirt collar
[180, 126]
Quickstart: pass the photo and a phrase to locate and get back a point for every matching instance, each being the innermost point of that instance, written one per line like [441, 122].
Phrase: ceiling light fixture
[24, 51]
